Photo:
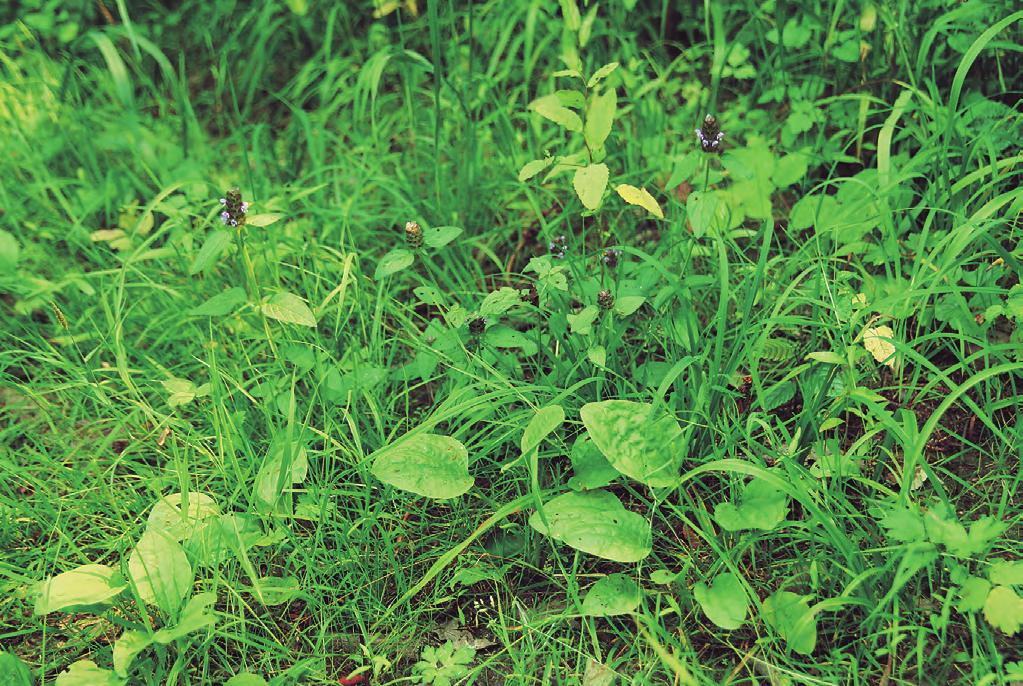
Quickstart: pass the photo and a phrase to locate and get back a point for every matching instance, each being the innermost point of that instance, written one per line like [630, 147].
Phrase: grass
[828, 312]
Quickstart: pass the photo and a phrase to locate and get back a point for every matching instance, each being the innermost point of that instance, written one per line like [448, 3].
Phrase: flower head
[477, 325]
[234, 209]
[413, 235]
[611, 257]
[605, 300]
[710, 136]
[558, 247]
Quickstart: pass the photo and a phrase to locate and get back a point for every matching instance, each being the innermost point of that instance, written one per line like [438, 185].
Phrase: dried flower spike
[611, 257]
[558, 247]
[605, 300]
[710, 136]
[413, 235]
[234, 210]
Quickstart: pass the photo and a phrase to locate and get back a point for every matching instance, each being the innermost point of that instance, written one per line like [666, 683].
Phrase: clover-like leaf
[724, 602]
[597, 523]
[85, 585]
[426, 464]
[615, 594]
[639, 440]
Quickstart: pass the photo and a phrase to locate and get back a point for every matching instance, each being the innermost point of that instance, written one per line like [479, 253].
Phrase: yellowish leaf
[640, 196]
[878, 342]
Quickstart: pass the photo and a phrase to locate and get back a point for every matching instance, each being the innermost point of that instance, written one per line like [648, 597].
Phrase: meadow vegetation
[511, 342]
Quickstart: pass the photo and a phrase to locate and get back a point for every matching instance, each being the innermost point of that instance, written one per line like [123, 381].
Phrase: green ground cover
[450, 343]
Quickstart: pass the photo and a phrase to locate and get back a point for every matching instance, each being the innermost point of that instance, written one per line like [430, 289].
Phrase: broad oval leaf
[160, 571]
[86, 585]
[707, 212]
[639, 440]
[211, 250]
[193, 617]
[439, 236]
[9, 250]
[589, 183]
[615, 594]
[597, 523]
[87, 673]
[286, 465]
[177, 521]
[393, 262]
[500, 301]
[724, 602]
[790, 615]
[426, 464]
[290, 309]
[761, 506]
[640, 197]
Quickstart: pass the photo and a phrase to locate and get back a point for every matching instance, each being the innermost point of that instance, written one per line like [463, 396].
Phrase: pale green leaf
[640, 197]
[220, 304]
[393, 262]
[543, 423]
[177, 521]
[126, 647]
[973, 593]
[9, 251]
[500, 301]
[591, 468]
[439, 236]
[193, 617]
[531, 169]
[791, 168]
[1007, 573]
[1004, 610]
[213, 247]
[761, 506]
[289, 308]
[589, 183]
[600, 116]
[426, 464]
[582, 322]
[627, 304]
[87, 673]
[90, 584]
[550, 107]
[14, 672]
[615, 594]
[246, 679]
[160, 571]
[285, 466]
[601, 74]
[639, 440]
[790, 615]
[724, 602]
[263, 219]
[597, 523]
